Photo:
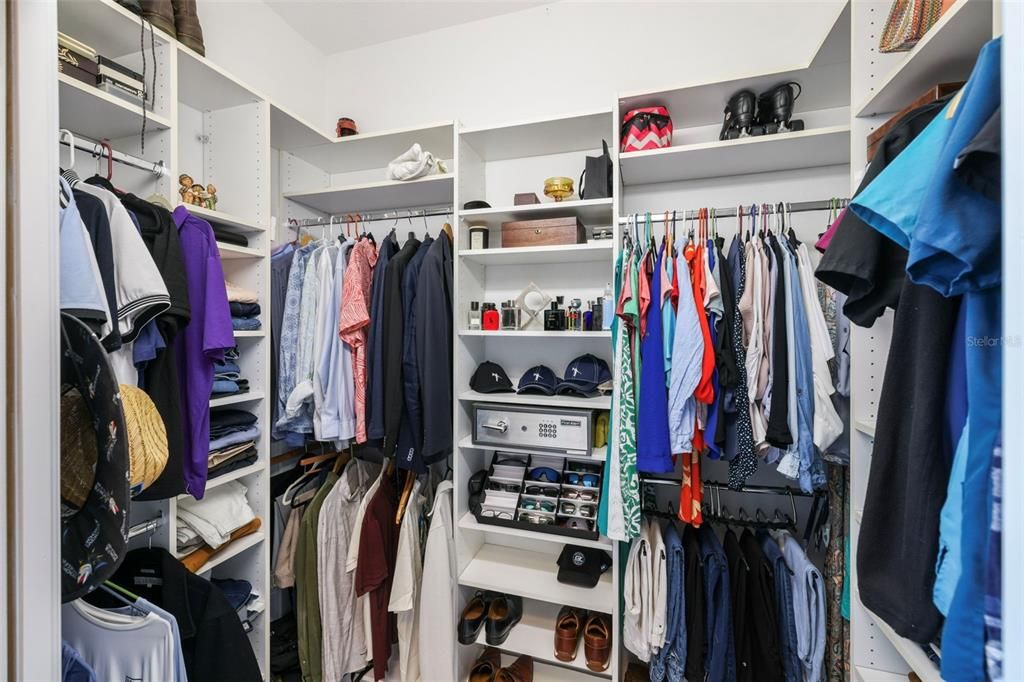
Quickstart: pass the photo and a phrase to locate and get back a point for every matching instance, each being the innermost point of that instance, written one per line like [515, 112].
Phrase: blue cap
[584, 375]
[539, 379]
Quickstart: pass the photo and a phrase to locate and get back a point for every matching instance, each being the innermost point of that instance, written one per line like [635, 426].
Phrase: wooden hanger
[403, 500]
[447, 227]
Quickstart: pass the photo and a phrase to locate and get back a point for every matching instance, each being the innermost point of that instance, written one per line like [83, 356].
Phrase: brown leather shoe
[486, 667]
[568, 628]
[597, 642]
[520, 671]
[160, 14]
[186, 19]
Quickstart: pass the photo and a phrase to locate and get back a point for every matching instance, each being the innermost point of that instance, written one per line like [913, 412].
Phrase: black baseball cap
[539, 379]
[582, 566]
[583, 376]
[489, 377]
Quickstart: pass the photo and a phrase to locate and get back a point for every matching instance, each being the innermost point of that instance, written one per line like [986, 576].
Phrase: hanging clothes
[437, 620]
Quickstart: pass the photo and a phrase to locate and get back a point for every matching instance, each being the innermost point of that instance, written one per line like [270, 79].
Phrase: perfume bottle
[511, 315]
[475, 319]
[597, 314]
[491, 319]
[607, 308]
[554, 319]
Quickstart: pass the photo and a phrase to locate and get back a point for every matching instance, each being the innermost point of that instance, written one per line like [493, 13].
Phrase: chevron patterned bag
[646, 128]
[907, 23]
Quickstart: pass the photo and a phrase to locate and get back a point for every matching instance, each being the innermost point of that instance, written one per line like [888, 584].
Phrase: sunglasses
[495, 514]
[586, 480]
[581, 509]
[576, 524]
[510, 461]
[538, 505]
[538, 519]
[582, 495]
[545, 474]
[504, 487]
[537, 490]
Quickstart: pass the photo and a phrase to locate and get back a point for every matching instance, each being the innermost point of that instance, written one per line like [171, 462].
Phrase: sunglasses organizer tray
[541, 493]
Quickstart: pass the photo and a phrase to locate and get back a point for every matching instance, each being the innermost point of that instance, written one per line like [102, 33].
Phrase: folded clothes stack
[227, 378]
[212, 520]
[229, 237]
[233, 435]
[245, 316]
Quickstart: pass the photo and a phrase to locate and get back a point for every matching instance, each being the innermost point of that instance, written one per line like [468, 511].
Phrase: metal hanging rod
[147, 527]
[730, 211]
[756, 489]
[97, 149]
[373, 216]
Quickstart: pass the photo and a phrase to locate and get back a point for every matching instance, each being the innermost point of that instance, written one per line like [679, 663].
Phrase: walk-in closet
[510, 342]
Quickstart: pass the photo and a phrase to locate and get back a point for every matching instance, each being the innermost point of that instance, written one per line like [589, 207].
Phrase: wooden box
[543, 232]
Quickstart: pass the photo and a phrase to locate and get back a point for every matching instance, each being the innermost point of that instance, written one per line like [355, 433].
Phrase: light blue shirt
[149, 607]
[808, 607]
[687, 352]
[947, 565]
[288, 360]
[668, 320]
[81, 288]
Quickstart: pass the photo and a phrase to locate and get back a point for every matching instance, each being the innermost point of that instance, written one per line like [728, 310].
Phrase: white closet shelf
[865, 426]
[596, 455]
[433, 190]
[105, 26]
[469, 522]
[589, 211]
[912, 653]
[235, 252]
[236, 223]
[87, 110]
[534, 635]
[249, 397]
[250, 334]
[205, 86]
[945, 54]
[535, 577]
[520, 139]
[824, 76]
[599, 251]
[535, 334]
[212, 483]
[766, 153]
[863, 674]
[363, 151]
[237, 547]
[599, 403]
[289, 131]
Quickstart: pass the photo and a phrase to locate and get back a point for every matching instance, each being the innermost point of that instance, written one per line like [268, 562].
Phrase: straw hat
[147, 438]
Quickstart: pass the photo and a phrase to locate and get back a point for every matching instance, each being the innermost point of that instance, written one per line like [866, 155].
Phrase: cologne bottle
[608, 308]
[491, 318]
[511, 315]
[554, 319]
[475, 319]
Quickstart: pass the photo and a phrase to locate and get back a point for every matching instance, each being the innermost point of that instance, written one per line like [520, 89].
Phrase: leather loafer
[504, 613]
[486, 667]
[474, 616]
[597, 642]
[568, 628]
[520, 671]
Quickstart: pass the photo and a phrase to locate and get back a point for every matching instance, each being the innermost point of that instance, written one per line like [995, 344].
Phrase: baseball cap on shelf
[582, 566]
[489, 377]
[584, 375]
[538, 379]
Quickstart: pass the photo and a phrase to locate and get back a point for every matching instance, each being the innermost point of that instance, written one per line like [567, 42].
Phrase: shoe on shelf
[597, 642]
[474, 616]
[486, 667]
[160, 14]
[504, 613]
[520, 671]
[186, 19]
[568, 628]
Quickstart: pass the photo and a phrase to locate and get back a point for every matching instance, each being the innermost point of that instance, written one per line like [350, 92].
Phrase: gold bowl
[558, 188]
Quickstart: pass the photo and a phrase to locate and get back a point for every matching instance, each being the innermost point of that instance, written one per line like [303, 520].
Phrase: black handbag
[599, 170]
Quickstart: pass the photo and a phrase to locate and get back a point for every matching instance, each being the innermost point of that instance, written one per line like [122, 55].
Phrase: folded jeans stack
[245, 316]
[227, 378]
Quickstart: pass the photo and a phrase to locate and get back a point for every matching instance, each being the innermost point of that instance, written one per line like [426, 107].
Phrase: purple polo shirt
[202, 342]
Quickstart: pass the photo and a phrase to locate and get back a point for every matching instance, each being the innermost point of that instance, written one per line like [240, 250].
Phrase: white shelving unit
[214, 127]
[495, 164]
[432, 190]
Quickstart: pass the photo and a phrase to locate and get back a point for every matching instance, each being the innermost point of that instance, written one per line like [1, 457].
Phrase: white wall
[251, 42]
[567, 57]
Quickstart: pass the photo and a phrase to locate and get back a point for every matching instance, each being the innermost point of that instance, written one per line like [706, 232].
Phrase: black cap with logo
[582, 566]
[489, 377]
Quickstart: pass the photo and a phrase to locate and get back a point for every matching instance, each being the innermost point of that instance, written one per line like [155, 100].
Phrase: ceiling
[337, 25]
